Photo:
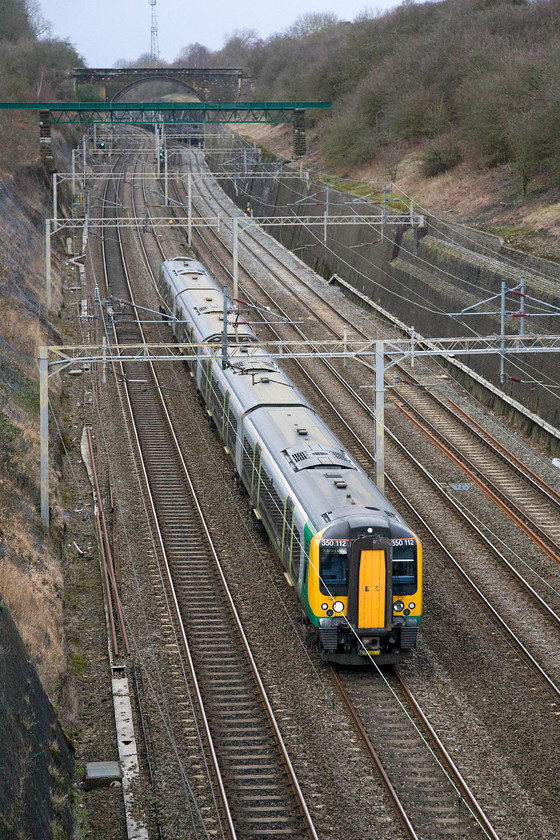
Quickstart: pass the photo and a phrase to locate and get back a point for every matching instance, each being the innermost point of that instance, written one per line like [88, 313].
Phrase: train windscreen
[405, 574]
[333, 567]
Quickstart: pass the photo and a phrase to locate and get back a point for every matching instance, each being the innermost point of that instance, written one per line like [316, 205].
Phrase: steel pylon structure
[154, 45]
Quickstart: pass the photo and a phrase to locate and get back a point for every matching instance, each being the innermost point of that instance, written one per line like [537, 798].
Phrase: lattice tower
[154, 46]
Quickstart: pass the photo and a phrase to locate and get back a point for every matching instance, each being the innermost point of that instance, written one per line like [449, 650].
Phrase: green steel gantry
[72, 113]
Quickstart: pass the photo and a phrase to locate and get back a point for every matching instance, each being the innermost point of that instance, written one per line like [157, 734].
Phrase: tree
[194, 55]
[310, 23]
[14, 21]
[238, 48]
[39, 25]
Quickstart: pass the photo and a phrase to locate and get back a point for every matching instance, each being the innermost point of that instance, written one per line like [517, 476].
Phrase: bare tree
[310, 23]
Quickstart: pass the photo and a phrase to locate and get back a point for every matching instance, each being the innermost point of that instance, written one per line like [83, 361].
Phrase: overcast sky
[104, 31]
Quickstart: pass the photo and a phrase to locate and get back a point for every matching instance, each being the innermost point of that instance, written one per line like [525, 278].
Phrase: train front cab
[364, 590]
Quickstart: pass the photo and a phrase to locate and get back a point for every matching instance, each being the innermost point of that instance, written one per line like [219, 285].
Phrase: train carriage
[354, 563]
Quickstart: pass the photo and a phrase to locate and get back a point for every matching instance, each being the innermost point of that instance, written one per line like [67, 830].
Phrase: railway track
[431, 797]
[453, 819]
[527, 500]
[432, 800]
[255, 783]
[543, 613]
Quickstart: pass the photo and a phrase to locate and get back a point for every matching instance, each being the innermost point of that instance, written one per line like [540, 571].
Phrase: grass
[509, 233]
[374, 196]
[34, 604]
[78, 662]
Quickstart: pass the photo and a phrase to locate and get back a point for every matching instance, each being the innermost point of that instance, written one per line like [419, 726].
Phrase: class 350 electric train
[354, 563]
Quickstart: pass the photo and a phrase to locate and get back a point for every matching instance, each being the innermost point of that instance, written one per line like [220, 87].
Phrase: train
[354, 563]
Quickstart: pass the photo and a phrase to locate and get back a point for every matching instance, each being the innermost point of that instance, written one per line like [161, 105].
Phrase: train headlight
[338, 606]
[412, 606]
[324, 606]
[398, 606]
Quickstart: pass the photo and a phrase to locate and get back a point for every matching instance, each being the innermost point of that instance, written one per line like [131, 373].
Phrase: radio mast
[154, 47]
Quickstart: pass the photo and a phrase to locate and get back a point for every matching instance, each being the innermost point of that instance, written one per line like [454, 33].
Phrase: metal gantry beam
[385, 353]
[72, 113]
[394, 350]
[54, 225]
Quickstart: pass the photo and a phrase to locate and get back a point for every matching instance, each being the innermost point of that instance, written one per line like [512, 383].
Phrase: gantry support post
[189, 209]
[522, 306]
[84, 161]
[379, 411]
[55, 201]
[502, 331]
[235, 258]
[74, 190]
[166, 175]
[44, 431]
[224, 331]
[48, 266]
[326, 216]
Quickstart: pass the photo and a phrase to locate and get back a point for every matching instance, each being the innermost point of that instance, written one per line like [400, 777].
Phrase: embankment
[443, 279]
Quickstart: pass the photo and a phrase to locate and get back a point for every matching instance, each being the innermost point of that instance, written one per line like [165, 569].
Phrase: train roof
[254, 379]
[304, 453]
[201, 300]
[319, 469]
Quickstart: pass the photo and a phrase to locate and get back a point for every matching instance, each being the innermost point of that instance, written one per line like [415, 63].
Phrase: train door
[291, 562]
[372, 589]
[226, 424]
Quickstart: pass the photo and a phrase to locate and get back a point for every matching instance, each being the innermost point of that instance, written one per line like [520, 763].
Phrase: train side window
[228, 432]
[216, 401]
[306, 553]
[296, 554]
[247, 462]
[206, 383]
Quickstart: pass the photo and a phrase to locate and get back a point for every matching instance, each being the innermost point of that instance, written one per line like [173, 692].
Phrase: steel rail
[531, 476]
[374, 757]
[505, 504]
[458, 778]
[163, 554]
[277, 734]
[109, 576]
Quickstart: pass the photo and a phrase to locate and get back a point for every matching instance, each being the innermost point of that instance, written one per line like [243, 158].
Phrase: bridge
[111, 85]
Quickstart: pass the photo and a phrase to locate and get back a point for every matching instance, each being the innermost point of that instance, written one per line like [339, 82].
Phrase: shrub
[440, 156]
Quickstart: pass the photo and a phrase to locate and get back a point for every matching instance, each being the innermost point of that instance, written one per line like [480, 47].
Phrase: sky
[104, 31]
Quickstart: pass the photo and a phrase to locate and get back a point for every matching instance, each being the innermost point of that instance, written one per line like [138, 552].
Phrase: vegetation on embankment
[37, 794]
[453, 81]
[31, 67]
